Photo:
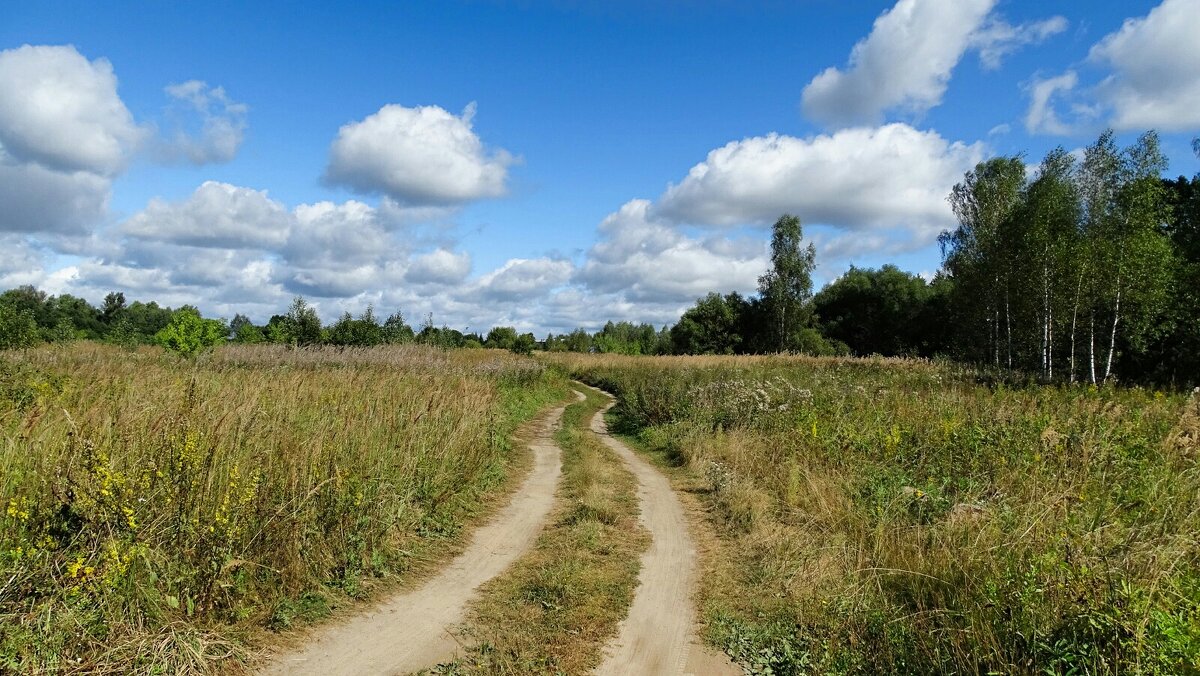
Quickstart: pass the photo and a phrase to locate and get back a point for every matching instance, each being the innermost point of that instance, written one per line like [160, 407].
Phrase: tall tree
[786, 288]
[875, 311]
[1045, 237]
[1135, 254]
[979, 254]
[114, 303]
[711, 326]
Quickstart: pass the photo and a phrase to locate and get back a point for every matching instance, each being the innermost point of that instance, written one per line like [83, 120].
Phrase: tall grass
[899, 517]
[156, 510]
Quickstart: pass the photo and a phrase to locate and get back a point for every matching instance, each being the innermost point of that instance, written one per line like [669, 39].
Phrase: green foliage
[362, 332]
[249, 334]
[396, 331]
[1070, 274]
[878, 312]
[785, 289]
[189, 334]
[300, 326]
[712, 326]
[18, 328]
[524, 344]
[146, 319]
[628, 338]
[501, 338]
[110, 311]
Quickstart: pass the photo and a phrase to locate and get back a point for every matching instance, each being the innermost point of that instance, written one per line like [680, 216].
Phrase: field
[855, 516]
[905, 517]
[159, 512]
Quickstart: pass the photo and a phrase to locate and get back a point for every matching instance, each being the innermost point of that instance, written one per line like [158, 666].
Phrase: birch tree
[1126, 210]
[979, 254]
[1045, 234]
[786, 288]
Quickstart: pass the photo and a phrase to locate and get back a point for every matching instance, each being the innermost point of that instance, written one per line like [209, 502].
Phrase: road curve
[412, 630]
[658, 635]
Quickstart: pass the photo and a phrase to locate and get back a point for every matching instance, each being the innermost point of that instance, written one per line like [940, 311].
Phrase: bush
[524, 344]
[189, 334]
[17, 328]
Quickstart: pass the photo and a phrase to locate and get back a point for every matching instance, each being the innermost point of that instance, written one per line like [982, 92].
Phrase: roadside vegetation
[887, 516]
[158, 511]
[553, 611]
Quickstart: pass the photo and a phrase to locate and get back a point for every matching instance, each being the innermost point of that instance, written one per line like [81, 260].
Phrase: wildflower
[18, 509]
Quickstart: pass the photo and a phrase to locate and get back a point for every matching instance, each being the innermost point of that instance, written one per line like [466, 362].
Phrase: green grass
[555, 608]
[893, 517]
[156, 514]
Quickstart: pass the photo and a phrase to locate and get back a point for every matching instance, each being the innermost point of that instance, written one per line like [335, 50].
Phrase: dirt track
[657, 637]
[411, 630]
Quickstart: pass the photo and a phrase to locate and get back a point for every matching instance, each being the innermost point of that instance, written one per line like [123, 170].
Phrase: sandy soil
[658, 636]
[412, 630]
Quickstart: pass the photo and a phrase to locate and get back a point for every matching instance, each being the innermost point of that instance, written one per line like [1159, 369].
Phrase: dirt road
[657, 637]
[411, 631]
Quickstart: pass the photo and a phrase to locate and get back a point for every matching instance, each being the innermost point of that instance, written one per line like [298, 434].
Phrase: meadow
[887, 516]
[157, 513]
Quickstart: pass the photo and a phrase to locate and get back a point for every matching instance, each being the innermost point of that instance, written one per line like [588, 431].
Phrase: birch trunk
[1112, 342]
[1075, 320]
[1008, 326]
[1092, 346]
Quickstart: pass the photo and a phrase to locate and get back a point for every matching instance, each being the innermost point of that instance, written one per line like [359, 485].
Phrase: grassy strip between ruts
[553, 611]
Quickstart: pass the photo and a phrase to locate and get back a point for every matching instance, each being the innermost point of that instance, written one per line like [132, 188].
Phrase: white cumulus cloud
[417, 156]
[35, 199]
[1042, 117]
[61, 111]
[64, 135]
[523, 278]
[858, 178]
[904, 63]
[1155, 62]
[215, 215]
[642, 258]
[439, 266]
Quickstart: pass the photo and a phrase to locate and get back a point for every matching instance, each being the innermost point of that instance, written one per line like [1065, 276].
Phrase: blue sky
[541, 164]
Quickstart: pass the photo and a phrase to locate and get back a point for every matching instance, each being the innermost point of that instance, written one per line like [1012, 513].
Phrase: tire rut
[658, 635]
[412, 630]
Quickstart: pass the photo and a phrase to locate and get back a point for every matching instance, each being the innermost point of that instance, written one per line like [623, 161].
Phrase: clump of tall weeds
[153, 511]
[887, 516]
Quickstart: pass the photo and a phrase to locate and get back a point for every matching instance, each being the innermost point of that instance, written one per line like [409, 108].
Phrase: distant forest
[1086, 269]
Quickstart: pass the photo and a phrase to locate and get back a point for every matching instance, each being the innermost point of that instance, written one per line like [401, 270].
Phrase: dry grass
[553, 611]
[898, 517]
[158, 509]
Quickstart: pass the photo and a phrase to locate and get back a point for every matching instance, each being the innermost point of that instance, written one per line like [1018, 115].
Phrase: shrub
[17, 328]
[189, 334]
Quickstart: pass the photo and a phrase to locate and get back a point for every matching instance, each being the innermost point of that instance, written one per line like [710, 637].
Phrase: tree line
[1085, 268]
[29, 316]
